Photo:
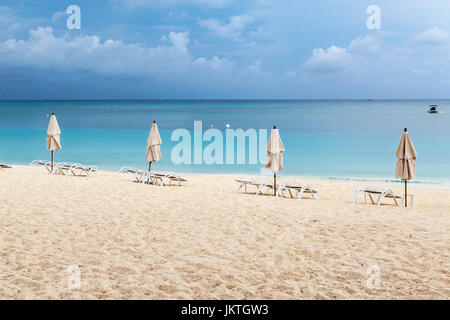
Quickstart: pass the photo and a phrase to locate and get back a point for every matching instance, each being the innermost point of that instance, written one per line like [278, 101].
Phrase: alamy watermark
[213, 147]
[73, 277]
[74, 19]
[374, 20]
[373, 281]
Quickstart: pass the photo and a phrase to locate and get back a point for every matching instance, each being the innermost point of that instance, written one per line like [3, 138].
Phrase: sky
[224, 49]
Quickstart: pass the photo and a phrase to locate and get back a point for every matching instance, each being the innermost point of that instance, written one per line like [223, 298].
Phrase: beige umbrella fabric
[406, 164]
[406, 154]
[275, 149]
[53, 136]
[153, 145]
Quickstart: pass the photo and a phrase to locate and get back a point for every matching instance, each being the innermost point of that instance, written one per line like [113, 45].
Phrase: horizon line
[234, 99]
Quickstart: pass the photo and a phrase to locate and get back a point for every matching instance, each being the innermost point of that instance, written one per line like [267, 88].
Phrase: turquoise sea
[336, 139]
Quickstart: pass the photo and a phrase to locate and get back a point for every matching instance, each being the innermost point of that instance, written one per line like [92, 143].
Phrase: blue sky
[224, 49]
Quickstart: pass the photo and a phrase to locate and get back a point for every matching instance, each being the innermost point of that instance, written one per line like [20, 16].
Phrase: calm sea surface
[335, 139]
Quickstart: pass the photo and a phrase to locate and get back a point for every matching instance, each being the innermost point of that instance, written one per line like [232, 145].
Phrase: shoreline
[363, 180]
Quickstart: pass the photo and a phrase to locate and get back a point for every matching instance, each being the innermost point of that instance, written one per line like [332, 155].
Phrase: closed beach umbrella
[406, 164]
[153, 146]
[53, 136]
[275, 149]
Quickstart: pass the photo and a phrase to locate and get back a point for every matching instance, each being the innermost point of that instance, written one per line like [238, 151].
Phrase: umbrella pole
[274, 184]
[52, 161]
[149, 166]
[406, 193]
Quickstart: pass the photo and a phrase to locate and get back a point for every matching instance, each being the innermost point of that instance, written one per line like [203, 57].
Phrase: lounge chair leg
[355, 199]
[280, 190]
[301, 193]
[380, 198]
[290, 193]
[373, 202]
[258, 191]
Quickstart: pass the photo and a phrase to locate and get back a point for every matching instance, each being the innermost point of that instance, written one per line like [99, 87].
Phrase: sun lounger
[246, 183]
[141, 176]
[5, 166]
[282, 189]
[299, 191]
[128, 170]
[153, 177]
[382, 194]
[138, 174]
[77, 169]
[165, 179]
[65, 168]
[46, 164]
[261, 187]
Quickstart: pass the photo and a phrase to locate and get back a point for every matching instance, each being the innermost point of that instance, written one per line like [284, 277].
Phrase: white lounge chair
[245, 183]
[138, 174]
[381, 193]
[46, 164]
[77, 169]
[299, 191]
[165, 179]
[65, 168]
[261, 187]
[127, 170]
[153, 177]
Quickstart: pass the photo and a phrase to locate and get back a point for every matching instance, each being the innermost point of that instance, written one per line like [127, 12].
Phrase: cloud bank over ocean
[222, 49]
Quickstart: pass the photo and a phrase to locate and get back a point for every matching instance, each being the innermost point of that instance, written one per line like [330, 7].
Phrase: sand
[124, 240]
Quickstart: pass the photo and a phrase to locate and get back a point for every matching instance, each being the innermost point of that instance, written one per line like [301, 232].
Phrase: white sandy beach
[204, 241]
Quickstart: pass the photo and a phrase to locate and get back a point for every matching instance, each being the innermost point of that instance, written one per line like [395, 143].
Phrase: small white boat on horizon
[433, 109]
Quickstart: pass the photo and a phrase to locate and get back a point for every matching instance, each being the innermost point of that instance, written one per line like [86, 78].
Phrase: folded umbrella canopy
[275, 149]
[406, 164]
[153, 146]
[53, 136]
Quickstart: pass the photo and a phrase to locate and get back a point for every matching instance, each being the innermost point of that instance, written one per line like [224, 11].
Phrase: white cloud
[256, 66]
[6, 16]
[369, 44]
[232, 30]
[381, 68]
[215, 63]
[44, 50]
[57, 15]
[332, 60]
[354, 58]
[179, 40]
[8, 22]
[433, 36]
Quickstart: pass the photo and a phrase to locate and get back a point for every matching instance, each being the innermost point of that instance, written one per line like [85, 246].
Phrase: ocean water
[336, 139]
